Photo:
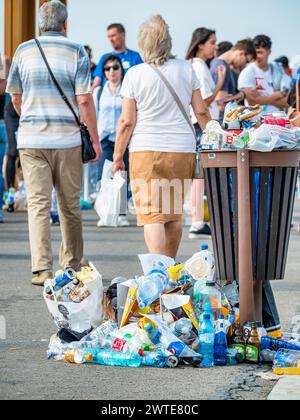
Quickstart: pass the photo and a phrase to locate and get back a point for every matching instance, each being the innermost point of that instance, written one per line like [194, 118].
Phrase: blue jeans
[108, 153]
[2, 154]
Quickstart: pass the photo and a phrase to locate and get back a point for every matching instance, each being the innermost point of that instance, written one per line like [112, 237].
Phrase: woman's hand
[118, 165]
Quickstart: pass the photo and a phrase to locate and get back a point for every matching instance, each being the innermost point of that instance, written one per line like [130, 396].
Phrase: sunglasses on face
[114, 67]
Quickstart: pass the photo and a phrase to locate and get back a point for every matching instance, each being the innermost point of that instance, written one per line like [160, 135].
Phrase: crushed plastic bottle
[183, 329]
[153, 333]
[151, 287]
[159, 360]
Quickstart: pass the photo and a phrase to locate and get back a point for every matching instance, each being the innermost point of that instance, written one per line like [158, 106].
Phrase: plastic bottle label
[239, 348]
[251, 353]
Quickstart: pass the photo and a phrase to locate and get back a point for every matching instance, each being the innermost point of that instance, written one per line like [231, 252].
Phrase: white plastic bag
[108, 201]
[269, 137]
[79, 317]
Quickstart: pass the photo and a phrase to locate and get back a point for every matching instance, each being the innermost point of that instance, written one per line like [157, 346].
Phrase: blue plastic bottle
[207, 311]
[151, 287]
[220, 346]
[206, 340]
[111, 358]
[153, 333]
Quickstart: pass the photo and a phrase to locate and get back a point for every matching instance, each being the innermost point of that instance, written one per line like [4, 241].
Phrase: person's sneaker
[1, 216]
[40, 279]
[131, 207]
[197, 233]
[123, 222]
[100, 224]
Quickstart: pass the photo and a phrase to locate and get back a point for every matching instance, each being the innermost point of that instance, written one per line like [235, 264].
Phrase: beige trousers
[43, 170]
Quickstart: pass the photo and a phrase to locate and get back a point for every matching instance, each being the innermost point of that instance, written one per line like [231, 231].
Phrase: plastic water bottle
[124, 346]
[209, 294]
[206, 340]
[105, 330]
[153, 333]
[183, 329]
[136, 342]
[268, 343]
[105, 357]
[151, 287]
[220, 346]
[207, 311]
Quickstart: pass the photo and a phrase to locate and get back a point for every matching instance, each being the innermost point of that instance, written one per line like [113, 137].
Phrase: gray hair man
[49, 138]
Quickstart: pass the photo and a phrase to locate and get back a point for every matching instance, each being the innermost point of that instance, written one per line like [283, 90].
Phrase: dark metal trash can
[268, 182]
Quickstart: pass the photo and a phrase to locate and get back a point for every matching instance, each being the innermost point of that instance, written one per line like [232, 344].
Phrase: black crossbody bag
[88, 152]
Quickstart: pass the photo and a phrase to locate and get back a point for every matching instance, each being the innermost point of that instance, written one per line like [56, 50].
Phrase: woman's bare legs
[198, 189]
[155, 238]
[163, 239]
[173, 238]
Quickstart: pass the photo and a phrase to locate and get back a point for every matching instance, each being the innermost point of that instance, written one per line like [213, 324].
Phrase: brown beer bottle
[252, 347]
[231, 329]
[238, 342]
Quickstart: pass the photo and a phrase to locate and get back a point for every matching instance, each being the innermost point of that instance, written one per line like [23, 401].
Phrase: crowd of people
[139, 108]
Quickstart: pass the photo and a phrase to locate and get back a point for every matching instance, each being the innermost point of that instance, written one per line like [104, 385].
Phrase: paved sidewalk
[287, 389]
[25, 372]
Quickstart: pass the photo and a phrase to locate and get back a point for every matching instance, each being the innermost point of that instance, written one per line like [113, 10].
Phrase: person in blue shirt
[117, 37]
[108, 104]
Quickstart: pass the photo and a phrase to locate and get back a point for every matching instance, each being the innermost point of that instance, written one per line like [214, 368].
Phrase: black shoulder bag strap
[65, 99]
[88, 152]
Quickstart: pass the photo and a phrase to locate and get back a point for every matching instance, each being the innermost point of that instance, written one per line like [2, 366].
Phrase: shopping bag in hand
[108, 201]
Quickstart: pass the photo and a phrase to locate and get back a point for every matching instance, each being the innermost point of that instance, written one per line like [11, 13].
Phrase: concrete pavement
[25, 372]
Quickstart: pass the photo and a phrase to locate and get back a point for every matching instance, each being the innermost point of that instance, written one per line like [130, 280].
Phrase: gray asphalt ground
[25, 372]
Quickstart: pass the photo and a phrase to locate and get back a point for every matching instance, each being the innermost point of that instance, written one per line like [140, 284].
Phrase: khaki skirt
[159, 183]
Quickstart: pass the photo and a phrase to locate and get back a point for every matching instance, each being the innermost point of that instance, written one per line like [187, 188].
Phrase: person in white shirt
[203, 48]
[162, 144]
[257, 79]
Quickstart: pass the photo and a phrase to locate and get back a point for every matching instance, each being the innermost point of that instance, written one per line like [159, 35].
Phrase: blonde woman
[161, 142]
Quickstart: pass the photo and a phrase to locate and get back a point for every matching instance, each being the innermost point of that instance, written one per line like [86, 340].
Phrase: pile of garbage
[246, 127]
[175, 314]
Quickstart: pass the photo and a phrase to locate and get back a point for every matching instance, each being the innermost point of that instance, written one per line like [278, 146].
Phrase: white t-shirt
[160, 124]
[207, 87]
[255, 78]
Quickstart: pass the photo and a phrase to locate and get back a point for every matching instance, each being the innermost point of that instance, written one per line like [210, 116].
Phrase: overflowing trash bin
[202, 312]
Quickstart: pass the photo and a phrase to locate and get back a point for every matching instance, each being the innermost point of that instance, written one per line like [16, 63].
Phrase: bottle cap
[48, 291]
[204, 247]
[210, 283]
[148, 327]
[206, 316]
[88, 357]
[207, 307]
[141, 353]
[222, 317]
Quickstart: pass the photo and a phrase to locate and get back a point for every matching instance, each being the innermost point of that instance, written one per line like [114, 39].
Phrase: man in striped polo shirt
[49, 139]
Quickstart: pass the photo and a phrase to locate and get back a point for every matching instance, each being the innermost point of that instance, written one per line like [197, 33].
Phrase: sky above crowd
[233, 20]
